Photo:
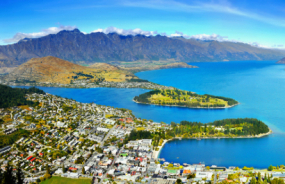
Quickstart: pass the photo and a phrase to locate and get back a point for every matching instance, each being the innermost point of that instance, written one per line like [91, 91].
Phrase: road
[108, 134]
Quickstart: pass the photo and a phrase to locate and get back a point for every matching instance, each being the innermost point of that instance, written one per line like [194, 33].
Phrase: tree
[277, 181]
[253, 180]
[47, 174]
[20, 175]
[1, 176]
[270, 168]
[178, 181]
[259, 181]
[8, 176]
[191, 176]
[173, 124]
[83, 170]
[47, 169]
[63, 168]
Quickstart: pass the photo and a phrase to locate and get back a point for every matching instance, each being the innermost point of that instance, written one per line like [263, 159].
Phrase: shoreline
[187, 106]
[157, 153]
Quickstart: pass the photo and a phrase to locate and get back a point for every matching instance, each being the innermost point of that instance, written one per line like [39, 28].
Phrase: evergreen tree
[8, 177]
[253, 180]
[63, 168]
[1, 176]
[83, 170]
[178, 181]
[47, 169]
[47, 174]
[265, 178]
[259, 181]
[20, 175]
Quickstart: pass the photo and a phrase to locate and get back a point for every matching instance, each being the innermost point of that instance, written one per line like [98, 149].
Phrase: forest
[184, 98]
[10, 97]
[226, 127]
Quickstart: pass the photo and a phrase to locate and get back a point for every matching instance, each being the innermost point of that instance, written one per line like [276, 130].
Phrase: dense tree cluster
[184, 98]
[238, 127]
[10, 139]
[250, 126]
[9, 177]
[134, 135]
[10, 97]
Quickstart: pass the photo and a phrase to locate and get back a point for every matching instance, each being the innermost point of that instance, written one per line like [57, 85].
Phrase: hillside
[54, 70]
[10, 97]
[282, 61]
[104, 66]
[79, 48]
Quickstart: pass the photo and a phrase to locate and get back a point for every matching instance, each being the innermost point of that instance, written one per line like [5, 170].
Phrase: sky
[257, 22]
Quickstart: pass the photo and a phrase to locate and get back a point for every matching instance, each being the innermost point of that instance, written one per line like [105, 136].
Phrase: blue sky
[259, 22]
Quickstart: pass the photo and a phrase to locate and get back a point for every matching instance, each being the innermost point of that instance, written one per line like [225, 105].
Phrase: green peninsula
[183, 98]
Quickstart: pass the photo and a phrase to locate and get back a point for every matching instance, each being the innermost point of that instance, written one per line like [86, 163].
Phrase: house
[223, 177]
[207, 175]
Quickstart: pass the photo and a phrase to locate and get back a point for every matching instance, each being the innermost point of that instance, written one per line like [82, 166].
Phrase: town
[87, 84]
[76, 140]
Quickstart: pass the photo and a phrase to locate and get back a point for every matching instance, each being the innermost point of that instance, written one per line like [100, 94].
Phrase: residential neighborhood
[81, 140]
[88, 84]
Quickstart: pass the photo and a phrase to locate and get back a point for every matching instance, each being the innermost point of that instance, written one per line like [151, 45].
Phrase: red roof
[41, 154]
[139, 158]
[29, 157]
[72, 168]
[33, 159]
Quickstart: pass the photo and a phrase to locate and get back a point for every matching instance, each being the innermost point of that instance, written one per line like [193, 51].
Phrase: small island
[176, 97]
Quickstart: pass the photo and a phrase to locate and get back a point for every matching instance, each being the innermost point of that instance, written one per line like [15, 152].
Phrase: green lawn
[62, 180]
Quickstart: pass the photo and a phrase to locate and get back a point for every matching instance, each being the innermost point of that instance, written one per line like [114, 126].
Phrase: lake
[259, 86]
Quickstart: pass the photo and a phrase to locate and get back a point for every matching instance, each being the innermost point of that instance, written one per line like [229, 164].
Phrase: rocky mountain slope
[281, 61]
[79, 48]
[54, 70]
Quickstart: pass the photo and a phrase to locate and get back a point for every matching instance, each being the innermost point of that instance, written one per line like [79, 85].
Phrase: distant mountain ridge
[79, 48]
[281, 61]
[54, 70]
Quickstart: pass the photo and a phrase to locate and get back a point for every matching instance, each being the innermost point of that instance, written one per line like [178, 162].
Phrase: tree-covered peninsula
[183, 98]
[240, 127]
[231, 128]
[10, 97]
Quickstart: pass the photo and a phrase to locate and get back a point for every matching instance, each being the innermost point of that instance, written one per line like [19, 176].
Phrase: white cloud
[125, 31]
[210, 37]
[52, 30]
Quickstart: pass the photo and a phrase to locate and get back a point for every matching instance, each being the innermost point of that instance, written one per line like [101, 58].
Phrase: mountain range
[87, 49]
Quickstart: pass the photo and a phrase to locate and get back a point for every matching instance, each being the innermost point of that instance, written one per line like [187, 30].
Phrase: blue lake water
[258, 86]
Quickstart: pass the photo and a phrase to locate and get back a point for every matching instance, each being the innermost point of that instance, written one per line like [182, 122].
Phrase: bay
[259, 86]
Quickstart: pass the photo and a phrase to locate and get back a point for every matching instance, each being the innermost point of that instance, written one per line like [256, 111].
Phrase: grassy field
[61, 180]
